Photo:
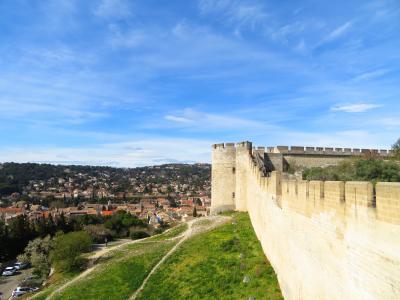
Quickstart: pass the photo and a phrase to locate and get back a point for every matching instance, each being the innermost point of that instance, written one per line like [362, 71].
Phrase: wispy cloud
[236, 12]
[177, 119]
[354, 108]
[86, 73]
[113, 9]
[196, 120]
[335, 34]
[130, 39]
[339, 31]
[371, 75]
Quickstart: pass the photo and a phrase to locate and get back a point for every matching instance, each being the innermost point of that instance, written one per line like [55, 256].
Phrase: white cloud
[354, 108]
[335, 34]
[113, 9]
[371, 75]
[283, 33]
[339, 31]
[177, 119]
[196, 120]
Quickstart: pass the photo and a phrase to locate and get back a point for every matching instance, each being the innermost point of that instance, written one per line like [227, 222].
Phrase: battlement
[223, 145]
[305, 150]
[240, 145]
[353, 199]
[326, 151]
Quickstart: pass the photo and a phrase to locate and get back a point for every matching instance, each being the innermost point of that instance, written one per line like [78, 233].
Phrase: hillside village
[167, 192]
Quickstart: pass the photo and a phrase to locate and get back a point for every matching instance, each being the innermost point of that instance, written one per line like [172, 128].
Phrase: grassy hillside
[121, 275]
[213, 265]
[224, 263]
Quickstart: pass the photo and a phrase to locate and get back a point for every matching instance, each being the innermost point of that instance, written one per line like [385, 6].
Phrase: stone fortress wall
[325, 240]
[280, 157]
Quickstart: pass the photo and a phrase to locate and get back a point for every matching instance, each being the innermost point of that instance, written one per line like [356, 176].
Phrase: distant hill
[14, 177]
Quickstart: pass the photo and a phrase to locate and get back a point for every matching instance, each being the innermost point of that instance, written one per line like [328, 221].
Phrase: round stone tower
[223, 177]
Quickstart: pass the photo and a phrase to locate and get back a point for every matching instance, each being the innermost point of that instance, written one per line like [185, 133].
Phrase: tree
[396, 145]
[67, 250]
[194, 212]
[19, 233]
[396, 149]
[4, 239]
[37, 253]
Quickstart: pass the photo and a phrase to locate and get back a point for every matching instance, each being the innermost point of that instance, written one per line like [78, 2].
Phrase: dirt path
[192, 230]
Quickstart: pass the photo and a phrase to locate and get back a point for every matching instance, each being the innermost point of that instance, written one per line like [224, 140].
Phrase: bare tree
[396, 146]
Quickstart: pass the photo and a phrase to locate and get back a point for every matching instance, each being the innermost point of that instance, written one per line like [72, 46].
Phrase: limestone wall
[223, 177]
[242, 153]
[314, 160]
[326, 240]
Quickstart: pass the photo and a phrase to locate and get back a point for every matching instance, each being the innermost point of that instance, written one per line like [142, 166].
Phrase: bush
[41, 264]
[67, 250]
[136, 235]
[370, 169]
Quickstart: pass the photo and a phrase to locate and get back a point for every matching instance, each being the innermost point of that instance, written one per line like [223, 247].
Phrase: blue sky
[130, 83]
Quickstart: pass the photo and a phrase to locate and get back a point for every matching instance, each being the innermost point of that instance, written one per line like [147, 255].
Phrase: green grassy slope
[213, 265]
[129, 252]
[119, 276]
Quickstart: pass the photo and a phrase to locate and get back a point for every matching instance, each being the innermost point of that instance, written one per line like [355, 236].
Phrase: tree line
[366, 168]
[15, 236]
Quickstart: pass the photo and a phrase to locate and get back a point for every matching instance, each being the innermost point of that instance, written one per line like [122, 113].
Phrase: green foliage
[136, 235]
[370, 169]
[122, 221]
[37, 253]
[7, 189]
[396, 150]
[396, 145]
[209, 266]
[16, 236]
[67, 250]
[41, 264]
[4, 248]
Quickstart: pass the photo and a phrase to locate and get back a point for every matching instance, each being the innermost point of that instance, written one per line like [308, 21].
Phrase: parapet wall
[326, 240]
[326, 151]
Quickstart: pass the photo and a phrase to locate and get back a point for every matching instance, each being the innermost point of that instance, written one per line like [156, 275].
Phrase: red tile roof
[107, 213]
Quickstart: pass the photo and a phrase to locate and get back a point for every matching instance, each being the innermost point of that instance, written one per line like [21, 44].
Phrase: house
[8, 213]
